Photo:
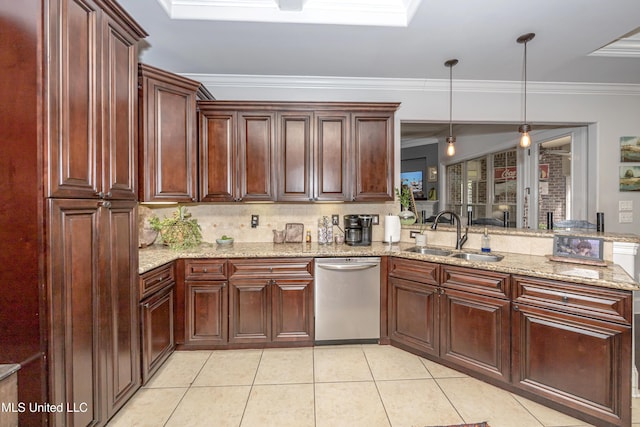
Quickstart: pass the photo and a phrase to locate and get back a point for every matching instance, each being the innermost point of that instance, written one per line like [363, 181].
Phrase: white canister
[391, 228]
[421, 239]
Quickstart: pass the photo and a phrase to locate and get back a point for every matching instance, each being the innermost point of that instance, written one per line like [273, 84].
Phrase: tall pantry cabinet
[70, 165]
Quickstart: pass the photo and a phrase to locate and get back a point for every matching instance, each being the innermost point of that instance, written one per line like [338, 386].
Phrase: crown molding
[412, 85]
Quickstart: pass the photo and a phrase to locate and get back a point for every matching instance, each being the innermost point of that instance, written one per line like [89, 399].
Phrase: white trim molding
[408, 84]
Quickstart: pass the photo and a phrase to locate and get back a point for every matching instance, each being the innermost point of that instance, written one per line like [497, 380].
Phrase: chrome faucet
[460, 239]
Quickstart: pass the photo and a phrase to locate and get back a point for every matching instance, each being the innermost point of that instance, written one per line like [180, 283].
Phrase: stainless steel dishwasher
[347, 300]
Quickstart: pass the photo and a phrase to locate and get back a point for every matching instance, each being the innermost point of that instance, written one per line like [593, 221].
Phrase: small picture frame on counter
[578, 249]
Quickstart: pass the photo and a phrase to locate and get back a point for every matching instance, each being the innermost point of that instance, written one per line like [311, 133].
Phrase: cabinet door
[475, 332]
[120, 112]
[206, 312]
[294, 138]
[582, 363]
[122, 336]
[168, 166]
[331, 153]
[292, 310]
[256, 156]
[75, 305]
[74, 122]
[372, 151]
[249, 311]
[414, 315]
[157, 331]
[218, 167]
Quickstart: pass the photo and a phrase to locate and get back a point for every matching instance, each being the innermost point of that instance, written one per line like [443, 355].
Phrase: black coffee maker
[357, 230]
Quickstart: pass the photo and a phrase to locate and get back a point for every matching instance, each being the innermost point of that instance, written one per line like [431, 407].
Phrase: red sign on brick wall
[505, 174]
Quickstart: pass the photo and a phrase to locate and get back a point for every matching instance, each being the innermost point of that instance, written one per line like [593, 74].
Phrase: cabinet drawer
[591, 301]
[418, 271]
[274, 267]
[156, 279]
[205, 269]
[477, 281]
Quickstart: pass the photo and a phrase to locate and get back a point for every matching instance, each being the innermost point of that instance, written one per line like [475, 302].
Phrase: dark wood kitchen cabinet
[294, 145]
[256, 156]
[94, 348]
[297, 152]
[572, 346]
[456, 314]
[237, 154]
[93, 105]
[218, 153]
[168, 146]
[157, 290]
[271, 301]
[91, 182]
[313, 156]
[414, 309]
[69, 83]
[475, 320]
[372, 152]
[206, 300]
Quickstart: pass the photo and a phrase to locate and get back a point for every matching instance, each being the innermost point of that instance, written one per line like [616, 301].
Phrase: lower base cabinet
[206, 320]
[157, 314]
[562, 344]
[276, 306]
[572, 346]
[460, 315]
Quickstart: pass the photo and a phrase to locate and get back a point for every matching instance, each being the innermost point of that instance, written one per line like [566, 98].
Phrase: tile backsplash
[234, 219]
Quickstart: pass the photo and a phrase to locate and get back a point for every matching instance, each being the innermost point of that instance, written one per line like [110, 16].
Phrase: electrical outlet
[413, 234]
[335, 219]
[375, 219]
[255, 220]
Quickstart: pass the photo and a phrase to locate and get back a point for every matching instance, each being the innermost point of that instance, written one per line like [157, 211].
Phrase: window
[485, 188]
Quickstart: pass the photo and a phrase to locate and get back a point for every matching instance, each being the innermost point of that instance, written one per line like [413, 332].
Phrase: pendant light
[451, 140]
[525, 139]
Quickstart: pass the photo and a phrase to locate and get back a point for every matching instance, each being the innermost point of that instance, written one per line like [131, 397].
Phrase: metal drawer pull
[565, 298]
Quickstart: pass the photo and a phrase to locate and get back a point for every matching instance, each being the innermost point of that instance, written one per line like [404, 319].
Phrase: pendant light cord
[451, 100]
[525, 81]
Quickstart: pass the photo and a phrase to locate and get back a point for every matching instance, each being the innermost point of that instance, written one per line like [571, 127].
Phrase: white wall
[612, 110]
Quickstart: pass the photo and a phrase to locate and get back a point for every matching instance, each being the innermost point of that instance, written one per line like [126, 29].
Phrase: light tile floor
[353, 385]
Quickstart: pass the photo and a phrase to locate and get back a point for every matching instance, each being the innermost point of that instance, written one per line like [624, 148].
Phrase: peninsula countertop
[611, 276]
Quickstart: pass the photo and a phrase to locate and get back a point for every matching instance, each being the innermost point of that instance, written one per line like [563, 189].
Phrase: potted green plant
[404, 196]
[180, 231]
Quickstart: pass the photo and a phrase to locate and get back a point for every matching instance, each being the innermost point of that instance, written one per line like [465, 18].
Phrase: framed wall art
[629, 178]
[630, 148]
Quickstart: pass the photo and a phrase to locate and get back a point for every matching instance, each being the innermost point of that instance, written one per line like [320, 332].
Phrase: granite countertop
[7, 369]
[611, 276]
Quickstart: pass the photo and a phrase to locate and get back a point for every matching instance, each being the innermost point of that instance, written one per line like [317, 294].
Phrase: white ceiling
[482, 35]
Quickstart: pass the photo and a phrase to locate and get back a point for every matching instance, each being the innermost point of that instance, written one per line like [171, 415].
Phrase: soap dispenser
[485, 244]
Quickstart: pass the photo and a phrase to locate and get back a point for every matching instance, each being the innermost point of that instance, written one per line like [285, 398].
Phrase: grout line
[313, 379]
[375, 383]
[449, 400]
[188, 388]
[246, 404]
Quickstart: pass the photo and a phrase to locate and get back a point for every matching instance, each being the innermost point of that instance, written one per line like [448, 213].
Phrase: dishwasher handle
[347, 267]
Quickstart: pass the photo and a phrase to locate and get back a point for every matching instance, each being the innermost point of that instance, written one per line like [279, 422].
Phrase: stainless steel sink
[429, 251]
[472, 256]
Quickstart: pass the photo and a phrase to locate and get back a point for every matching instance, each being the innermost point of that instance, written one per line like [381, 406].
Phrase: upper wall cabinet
[372, 155]
[168, 145]
[296, 152]
[92, 103]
